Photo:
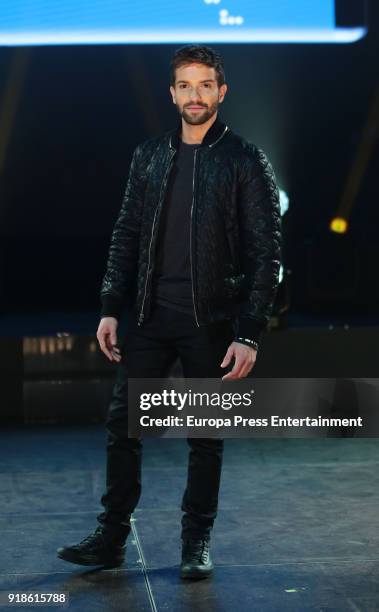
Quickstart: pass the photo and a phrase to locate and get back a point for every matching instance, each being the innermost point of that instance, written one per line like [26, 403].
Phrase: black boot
[196, 559]
[99, 548]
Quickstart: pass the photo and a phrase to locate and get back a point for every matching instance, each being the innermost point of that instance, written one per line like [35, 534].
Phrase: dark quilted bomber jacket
[235, 231]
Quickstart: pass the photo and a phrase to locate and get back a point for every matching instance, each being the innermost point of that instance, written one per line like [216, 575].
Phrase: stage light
[338, 225]
[284, 202]
[284, 205]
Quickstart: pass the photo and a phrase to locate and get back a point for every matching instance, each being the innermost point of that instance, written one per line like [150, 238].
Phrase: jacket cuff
[112, 306]
[250, 329]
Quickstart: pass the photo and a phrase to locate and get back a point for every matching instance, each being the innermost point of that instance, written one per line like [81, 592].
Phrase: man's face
[196, 93]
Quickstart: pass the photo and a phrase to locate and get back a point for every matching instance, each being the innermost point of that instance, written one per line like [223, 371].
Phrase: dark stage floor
[297, 528]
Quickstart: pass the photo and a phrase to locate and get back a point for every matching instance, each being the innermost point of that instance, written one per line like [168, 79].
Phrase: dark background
[75, 114]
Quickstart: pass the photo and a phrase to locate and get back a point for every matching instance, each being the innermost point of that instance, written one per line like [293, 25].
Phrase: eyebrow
[204, 81]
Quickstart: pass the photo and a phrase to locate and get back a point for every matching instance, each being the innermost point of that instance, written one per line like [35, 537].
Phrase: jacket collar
[213, 135]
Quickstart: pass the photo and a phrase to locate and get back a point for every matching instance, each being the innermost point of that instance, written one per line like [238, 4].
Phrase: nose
[194, 95]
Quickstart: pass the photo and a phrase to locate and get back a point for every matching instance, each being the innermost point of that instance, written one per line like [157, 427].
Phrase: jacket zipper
[219, 138]
[192, 205]
[141, 315]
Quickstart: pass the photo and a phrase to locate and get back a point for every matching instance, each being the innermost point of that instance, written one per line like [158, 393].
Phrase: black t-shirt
[172, 285]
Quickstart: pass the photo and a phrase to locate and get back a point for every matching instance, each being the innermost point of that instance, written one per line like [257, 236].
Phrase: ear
[222, 92]
[172, 91]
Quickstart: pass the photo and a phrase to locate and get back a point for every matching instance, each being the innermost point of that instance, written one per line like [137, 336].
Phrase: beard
[199, 117]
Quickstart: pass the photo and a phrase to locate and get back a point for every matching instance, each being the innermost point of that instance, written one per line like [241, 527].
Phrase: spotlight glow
[338, 225]
[284, 202]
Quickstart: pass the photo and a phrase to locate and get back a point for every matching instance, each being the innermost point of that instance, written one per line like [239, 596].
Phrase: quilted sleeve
[121, 269]
[260, 237]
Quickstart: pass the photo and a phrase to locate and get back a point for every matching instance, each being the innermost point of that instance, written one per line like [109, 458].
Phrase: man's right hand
[107, 337]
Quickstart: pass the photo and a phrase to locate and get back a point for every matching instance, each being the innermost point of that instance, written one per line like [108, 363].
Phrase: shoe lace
[92, 536]
[196, 549]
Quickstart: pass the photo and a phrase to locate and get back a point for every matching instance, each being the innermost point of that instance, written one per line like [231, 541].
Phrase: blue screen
[160, 21]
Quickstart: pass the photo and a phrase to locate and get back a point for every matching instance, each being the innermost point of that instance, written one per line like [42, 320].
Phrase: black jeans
[148, 352]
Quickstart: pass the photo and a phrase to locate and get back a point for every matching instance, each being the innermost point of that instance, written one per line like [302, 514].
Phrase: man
[195, 252]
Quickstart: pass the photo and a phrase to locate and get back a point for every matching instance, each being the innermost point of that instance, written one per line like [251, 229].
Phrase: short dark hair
[197, 54]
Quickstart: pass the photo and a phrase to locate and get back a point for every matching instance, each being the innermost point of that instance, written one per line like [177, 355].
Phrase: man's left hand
[244, 360]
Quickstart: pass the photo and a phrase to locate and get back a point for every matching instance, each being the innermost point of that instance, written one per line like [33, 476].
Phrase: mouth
[195, 107]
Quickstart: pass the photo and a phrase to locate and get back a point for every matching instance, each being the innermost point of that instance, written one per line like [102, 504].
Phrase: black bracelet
[250, 342]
